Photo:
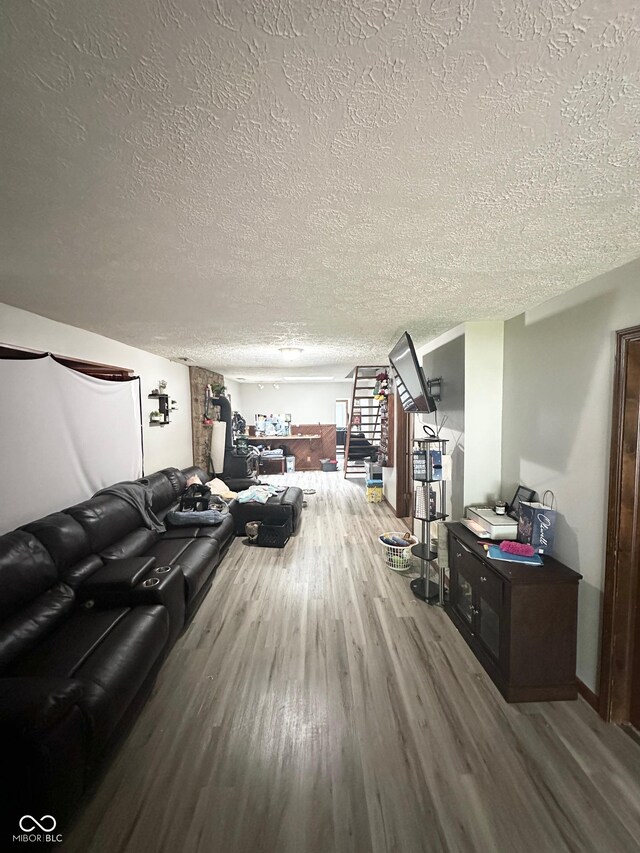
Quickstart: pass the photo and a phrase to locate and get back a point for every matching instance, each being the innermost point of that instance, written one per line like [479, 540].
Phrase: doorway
[620, 655]
[342, 419]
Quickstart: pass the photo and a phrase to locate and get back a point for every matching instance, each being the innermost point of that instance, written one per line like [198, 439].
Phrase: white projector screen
[63, 436]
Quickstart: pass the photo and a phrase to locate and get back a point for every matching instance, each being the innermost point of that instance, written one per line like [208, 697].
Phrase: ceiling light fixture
[260, 386]
[290, 352]
[276, 386]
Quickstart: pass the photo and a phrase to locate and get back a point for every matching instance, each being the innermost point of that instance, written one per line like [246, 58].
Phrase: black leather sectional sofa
[91, 601]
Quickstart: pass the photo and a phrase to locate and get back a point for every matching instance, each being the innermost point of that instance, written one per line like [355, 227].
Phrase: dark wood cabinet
[520, 621]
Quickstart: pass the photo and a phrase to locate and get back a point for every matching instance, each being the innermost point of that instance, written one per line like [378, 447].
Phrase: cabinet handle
[483, 579]
[474, 610]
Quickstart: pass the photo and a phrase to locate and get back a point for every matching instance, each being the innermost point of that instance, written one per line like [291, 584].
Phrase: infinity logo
[25, 826]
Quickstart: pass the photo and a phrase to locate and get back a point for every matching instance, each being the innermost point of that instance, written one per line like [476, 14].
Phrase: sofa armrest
[137, 580]
[30, 705]
[115, 577]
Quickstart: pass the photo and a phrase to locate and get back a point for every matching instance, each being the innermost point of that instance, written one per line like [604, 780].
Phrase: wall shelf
[163, 408]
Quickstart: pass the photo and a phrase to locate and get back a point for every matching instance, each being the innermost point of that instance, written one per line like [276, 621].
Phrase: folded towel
[261, 494]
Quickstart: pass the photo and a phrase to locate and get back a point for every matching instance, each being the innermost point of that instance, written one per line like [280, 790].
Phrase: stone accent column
[199, 379]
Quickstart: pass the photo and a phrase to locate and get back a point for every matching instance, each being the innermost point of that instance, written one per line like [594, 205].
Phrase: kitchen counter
[308, 445]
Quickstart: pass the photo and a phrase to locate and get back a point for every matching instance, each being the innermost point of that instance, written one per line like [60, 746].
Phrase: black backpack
[195, 499]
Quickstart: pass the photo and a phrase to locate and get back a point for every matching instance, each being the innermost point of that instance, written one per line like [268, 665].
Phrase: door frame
[346, 401]
[404, 473]
[622, 573]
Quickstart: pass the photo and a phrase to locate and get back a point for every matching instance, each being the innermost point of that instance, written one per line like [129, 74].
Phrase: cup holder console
[161, 570]
[151, 582]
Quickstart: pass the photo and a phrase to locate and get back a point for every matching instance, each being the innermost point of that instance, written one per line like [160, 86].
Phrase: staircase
[364, 418]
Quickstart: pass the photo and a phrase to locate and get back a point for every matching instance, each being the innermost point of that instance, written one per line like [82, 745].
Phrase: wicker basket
[398, 557]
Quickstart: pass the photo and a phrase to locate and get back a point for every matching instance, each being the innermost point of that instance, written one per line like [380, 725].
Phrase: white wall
[234, 392]
[447, 361]
[483, 368]
[557, 404]
[163, 446]
[307, 402]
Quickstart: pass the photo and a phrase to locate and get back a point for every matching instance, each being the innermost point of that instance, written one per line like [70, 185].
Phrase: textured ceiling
[217, 178]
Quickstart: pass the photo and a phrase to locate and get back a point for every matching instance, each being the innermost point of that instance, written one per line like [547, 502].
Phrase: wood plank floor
[315, 706]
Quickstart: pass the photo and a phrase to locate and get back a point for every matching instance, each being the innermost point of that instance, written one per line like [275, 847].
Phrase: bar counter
[308, 444]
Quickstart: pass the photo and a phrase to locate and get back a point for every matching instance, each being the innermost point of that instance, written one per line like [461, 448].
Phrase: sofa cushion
[195, 471]
[68, 543]
[71, 644]
[220, 532]
[134, 544]
[114, 673]
[197, 563]
[196, 557]
[26, 570]
[63, 537]
[167, 551]
[106, 519]
[33, 704]
[48, 767]
[79, 572]
[177, 480]
[31, 625]
[111, 652]
[162, 514]
[163, 490]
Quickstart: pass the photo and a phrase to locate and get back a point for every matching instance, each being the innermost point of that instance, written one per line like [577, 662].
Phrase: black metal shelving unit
[429, 502]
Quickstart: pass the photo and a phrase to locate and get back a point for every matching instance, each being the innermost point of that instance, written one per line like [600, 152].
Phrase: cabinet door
[489, 591]
[463, 581]
[463, 597]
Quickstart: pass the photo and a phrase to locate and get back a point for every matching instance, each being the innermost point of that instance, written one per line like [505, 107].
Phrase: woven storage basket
[398, 557]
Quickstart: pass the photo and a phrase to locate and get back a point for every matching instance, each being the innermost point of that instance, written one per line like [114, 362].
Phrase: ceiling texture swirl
[216, 179]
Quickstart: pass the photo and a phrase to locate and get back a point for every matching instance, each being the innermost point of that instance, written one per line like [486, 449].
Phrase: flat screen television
[410, 380]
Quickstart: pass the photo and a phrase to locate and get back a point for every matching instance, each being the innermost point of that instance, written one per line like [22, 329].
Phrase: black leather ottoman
[285, 505]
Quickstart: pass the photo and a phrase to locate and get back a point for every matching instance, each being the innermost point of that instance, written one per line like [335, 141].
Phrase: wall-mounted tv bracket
[434, 387]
